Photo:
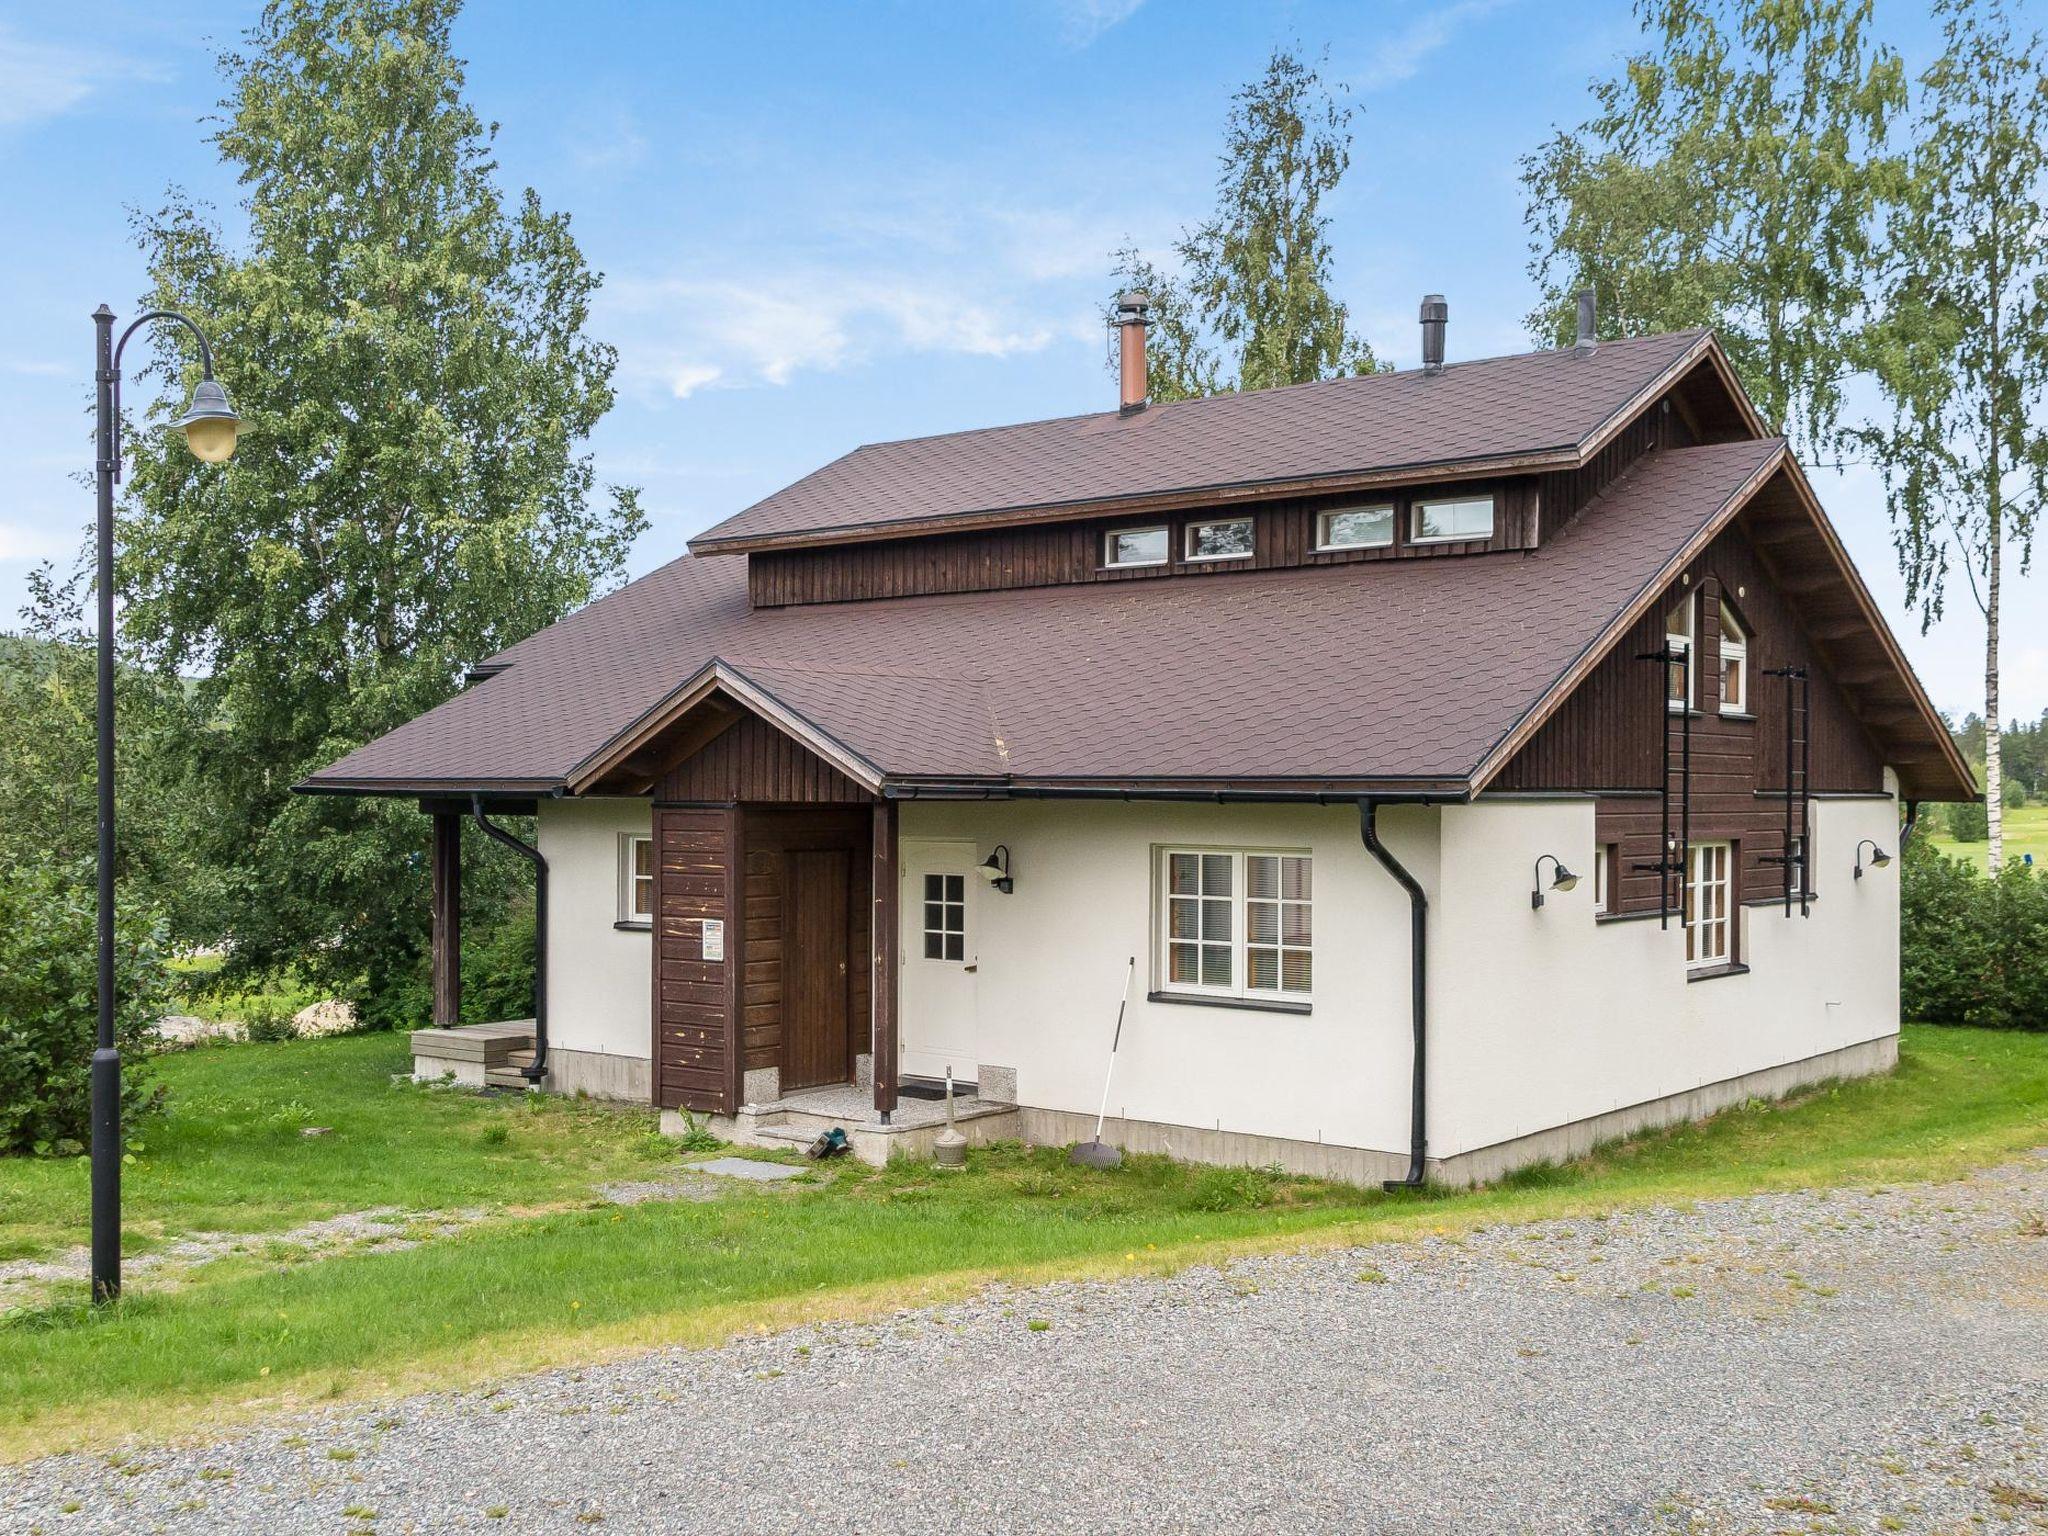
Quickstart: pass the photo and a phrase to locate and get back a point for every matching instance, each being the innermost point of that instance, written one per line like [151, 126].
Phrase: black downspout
[1418, 988]
[539, 1067]
[1906, 829]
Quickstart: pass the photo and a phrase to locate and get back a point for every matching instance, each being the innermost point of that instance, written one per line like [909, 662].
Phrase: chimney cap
[1435, 314]
[1131, 307]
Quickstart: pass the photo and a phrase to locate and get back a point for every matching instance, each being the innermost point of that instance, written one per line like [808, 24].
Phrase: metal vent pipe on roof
[1588, 322]
[1435, 313]
[1133, 318]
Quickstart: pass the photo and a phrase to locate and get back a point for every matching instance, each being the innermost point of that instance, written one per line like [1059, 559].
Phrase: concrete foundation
[1367, 1166]
[600, 1075]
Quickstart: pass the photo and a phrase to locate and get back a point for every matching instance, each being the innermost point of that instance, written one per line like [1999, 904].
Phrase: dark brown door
[814, 966]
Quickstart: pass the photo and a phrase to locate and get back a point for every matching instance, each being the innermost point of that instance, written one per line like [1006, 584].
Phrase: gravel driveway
[1852, 1361]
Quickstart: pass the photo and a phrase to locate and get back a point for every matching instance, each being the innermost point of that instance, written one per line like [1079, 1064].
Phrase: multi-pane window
[636, 879]
[1734, 664]
[945, 917]
[1135, 546]
[1237, 924]
[1678, 689]
[1227, 540]
[1355, 528]
[1709, 924]
[1465, 517]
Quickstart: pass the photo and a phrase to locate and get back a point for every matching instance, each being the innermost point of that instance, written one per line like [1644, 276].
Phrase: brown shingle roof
[1389, 671]
[1480, 413]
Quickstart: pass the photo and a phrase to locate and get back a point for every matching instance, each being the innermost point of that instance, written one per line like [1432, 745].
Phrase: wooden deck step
[506, 1077]
[491, 1044]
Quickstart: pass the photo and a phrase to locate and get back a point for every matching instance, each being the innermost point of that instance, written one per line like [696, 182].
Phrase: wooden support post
[882, 984]
[447, 866]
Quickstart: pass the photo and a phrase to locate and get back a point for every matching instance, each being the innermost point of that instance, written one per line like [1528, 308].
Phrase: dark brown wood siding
[1062, 554]
[772, 837]
[1562, 494]
[696, 1055]
[754, 761]
[1608, 736]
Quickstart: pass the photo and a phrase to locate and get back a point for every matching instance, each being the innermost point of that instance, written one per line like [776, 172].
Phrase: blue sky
[825, 224]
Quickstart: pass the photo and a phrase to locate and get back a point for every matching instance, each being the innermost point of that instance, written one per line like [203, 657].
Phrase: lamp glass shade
[990, 870]
[209, 423]
[1563, 880]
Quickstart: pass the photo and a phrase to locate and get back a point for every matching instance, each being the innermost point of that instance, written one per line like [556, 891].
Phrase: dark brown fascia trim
[1422, 472]
[1595, 650]
[715, 676]
[461, 788]
[1148, 503]
[1553, 698]
[1314, 791]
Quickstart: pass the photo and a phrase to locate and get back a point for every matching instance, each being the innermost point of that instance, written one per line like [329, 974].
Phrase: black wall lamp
[995, 869]
[1878, 857]
[1561, 879]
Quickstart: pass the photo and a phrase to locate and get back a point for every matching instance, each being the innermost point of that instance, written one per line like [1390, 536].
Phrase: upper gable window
[1463, 517]
[1734, 664]
[1679, 694]
[1230, 539]
[1135, 546]
[1355, 528]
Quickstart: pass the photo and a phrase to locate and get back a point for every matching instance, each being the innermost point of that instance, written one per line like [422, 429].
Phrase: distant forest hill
[2026, 752]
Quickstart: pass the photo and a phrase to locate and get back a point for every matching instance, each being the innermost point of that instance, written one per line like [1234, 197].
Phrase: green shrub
[1968, 821]
[2014, 795]
[497, 978]
[1973, 950]
[48, 986]
[268, 1020]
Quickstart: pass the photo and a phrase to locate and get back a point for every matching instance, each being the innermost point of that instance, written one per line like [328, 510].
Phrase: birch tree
[1961, 349]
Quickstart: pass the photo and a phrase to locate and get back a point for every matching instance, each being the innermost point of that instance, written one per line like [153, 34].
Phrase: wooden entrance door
[815, 962]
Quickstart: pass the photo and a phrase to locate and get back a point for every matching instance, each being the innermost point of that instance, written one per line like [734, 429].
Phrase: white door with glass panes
[936, 918]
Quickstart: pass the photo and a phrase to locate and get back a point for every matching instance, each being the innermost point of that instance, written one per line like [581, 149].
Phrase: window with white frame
[1236, 924]
[1135, 546]
[1462, 517]
[945, 917]
[1709, 916]
[1734, 664]
[636, 879]
[1678, 679]
[1606, 860]
[1355, 528]
[1230, 539]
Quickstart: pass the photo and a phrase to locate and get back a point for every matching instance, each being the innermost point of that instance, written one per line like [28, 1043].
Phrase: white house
[1458, 766]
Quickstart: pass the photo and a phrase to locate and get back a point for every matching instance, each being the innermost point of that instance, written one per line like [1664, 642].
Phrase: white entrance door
[936, 918]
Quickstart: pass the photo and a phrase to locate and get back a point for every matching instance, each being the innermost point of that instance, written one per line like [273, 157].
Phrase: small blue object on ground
[746, 1168]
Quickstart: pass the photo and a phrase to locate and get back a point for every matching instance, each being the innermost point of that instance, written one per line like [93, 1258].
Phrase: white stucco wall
[1052, 954]
[1541, 1018]
[600, 979]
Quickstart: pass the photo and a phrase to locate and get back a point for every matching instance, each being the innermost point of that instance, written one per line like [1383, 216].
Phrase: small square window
[1231, 540]
[1465, 517]
[1355, 528]
[1135, 546]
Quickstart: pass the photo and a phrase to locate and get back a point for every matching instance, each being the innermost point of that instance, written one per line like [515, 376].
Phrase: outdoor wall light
[995, 869]
[1878, 857]
[1561, 879]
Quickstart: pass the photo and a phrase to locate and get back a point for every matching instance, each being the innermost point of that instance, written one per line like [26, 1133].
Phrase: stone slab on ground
[748, 1168]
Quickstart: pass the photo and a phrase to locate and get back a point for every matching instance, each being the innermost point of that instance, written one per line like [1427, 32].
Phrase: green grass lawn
[562, 1279]
[2026, 831]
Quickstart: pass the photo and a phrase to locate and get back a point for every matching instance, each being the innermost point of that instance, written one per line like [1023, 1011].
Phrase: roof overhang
[1856, 645]
[649, 738]
[1562, 456]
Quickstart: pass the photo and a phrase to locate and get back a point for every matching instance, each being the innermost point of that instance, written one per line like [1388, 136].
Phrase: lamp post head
[209, 423]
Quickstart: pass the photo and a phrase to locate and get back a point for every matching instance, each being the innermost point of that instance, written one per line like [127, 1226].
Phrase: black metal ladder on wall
[1677, 855]
[1798, 767]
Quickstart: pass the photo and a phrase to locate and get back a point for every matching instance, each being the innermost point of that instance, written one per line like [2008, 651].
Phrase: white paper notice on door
[714, 938]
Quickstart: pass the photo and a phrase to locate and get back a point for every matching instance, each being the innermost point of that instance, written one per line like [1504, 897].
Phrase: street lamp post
[209, 426]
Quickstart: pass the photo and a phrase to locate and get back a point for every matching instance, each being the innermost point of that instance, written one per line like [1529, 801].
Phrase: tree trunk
[1994, 765]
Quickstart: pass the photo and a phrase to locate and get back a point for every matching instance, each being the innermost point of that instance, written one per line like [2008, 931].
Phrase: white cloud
[731, 332]
[1400, 56]
[41, 80]
[1083, 21]
[19, 541]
